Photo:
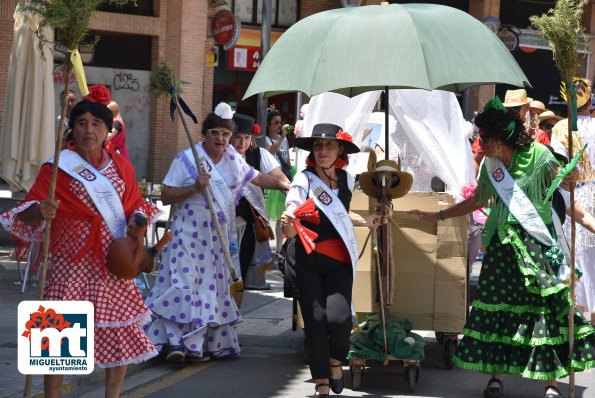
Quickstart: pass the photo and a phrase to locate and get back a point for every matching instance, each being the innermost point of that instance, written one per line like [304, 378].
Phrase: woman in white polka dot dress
[195, 316]
[80, 239]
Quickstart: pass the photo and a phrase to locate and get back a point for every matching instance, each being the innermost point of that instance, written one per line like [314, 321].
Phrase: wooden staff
[562, 28]
[48, 227]
[571, 382]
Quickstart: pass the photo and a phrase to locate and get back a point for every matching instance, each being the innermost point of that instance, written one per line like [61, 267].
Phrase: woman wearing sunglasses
[194, 314]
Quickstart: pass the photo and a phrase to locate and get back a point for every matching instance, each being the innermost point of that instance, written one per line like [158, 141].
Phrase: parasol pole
[376, 251]
[562, 27]
[165, 82]
[386, 110]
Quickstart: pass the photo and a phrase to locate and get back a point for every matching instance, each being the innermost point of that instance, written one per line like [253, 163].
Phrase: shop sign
[509, 37]
[243, 58]
[225, 29]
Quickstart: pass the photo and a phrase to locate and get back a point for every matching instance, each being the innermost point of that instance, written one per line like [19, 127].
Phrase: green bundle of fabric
[401, 342]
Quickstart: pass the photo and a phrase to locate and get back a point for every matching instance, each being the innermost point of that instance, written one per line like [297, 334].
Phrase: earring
[71, 145]
[498, 151]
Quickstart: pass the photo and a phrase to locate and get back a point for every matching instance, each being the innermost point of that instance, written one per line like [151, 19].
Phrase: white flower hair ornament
[224, 111]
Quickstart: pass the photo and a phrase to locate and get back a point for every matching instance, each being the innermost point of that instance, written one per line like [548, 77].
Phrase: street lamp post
[265, 45]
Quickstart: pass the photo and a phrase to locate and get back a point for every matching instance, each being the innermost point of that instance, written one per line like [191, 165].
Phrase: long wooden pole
[48, 228]
[235, 280]
[571, 382]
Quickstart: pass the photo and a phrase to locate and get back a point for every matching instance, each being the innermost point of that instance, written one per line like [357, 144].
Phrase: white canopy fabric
[427, 132]
[349, 113]
[27, 137]
[431, 135]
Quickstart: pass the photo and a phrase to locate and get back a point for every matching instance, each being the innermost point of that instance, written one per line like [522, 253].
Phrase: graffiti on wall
[129, 89]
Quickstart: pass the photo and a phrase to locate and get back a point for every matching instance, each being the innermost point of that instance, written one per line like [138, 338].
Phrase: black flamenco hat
[327, 131]
[245, 124]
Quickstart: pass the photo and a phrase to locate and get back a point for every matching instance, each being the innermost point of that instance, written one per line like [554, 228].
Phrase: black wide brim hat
[244, 124]
[325, 131]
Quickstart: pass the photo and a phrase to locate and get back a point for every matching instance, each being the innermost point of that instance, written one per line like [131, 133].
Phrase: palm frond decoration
[70, 17]
[563, 173]
[561, 27]
[164, 80]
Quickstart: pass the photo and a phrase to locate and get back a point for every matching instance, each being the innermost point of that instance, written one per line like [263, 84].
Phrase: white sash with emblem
[223, 198]
[326, 200]
[517, 202]
[100, 190]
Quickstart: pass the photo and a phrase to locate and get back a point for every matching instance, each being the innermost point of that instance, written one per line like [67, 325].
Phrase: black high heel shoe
[316, 390]
[494, 389]
[337, 384]
[552, 392]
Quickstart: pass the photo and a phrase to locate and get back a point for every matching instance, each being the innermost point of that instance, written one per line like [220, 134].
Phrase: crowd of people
[225, 192]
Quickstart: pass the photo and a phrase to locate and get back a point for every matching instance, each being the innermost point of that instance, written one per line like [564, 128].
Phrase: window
[283, 15]
[138, 7]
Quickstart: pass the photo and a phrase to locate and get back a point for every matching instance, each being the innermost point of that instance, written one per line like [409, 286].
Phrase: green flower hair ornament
[496, 103]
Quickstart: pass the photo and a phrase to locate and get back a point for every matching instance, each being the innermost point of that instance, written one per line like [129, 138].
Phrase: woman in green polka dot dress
[519, 320]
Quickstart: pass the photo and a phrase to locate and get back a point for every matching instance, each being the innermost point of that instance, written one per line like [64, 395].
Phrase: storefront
[235, 66]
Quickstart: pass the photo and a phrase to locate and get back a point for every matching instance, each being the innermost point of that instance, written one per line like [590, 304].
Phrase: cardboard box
[429, 271]
[364, 286]
[429, 274]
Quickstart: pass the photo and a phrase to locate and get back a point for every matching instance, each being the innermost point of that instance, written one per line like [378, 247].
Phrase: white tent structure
[427, 129]
[28, 136]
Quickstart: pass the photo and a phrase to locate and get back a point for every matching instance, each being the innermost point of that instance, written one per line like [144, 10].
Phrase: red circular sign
[222, 27]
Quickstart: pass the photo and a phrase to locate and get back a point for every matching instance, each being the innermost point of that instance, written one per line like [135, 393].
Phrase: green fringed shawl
[532, 169]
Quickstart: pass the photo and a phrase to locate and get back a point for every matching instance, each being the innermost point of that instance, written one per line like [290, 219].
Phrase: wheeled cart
[427, 276]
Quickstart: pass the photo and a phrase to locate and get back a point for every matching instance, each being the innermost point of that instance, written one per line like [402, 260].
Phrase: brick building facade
[179, 32]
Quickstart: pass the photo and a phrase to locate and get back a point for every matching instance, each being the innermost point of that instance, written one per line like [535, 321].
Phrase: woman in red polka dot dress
[81, 236]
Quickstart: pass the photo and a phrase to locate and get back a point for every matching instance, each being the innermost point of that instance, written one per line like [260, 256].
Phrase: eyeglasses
[325, 144]
[219, 134]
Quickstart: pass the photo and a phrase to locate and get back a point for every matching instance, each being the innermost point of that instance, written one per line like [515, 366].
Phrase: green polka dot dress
[519, 320]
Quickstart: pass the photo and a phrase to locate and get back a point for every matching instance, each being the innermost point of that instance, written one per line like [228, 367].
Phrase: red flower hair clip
[256, 129]
[99, 93]
[343, 135]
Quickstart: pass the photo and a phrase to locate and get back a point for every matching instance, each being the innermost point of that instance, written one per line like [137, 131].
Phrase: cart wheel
[449, 351]
[357, 376]
[411, 375]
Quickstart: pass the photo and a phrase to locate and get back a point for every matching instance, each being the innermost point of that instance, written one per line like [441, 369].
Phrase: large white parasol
[28, 130]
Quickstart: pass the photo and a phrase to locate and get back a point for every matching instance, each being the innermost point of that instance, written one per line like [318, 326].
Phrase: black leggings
[247, 248]
[323, 288]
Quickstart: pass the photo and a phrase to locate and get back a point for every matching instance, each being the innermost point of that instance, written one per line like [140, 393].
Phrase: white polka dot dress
[191, 300]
